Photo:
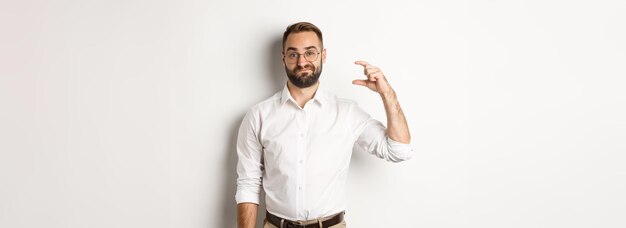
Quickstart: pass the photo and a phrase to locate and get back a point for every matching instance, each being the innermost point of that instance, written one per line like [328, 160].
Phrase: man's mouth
[305, 68]
[304, 72]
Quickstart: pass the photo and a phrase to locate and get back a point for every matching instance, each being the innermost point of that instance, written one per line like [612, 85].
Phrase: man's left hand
[375, 81]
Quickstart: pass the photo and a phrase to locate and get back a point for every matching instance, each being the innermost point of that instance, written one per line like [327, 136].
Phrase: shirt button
[300, 187]
[300, 161]
[301, 135]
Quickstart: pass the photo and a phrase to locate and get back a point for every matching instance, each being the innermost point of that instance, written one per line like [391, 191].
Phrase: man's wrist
[388, 95]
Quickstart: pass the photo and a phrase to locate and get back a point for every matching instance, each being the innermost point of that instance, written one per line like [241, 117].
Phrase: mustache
[305, 67]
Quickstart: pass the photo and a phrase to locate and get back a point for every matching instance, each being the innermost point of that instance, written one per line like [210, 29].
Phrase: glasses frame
[298, 58]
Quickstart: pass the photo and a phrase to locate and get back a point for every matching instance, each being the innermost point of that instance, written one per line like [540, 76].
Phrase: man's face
[303, 71]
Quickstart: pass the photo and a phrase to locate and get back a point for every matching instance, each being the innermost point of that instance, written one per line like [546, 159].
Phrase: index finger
[362, 63]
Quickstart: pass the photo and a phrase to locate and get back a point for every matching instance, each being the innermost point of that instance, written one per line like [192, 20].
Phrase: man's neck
[302, 95]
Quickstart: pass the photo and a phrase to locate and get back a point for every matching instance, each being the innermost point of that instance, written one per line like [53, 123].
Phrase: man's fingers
[362, 63]
[360, 82]
[373, 71]
[367, 68]
[375, 76]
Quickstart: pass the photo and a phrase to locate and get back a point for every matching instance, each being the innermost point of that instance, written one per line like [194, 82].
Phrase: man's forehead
[302, 41]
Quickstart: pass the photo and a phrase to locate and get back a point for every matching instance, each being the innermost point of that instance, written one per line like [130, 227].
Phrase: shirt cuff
[402, 151]
[247, 197]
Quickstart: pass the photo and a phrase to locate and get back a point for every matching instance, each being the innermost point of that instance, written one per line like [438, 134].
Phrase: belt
[276, 221]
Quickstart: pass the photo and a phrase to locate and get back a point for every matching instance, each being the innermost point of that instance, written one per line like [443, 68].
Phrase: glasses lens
[292, 57]
[310, 56]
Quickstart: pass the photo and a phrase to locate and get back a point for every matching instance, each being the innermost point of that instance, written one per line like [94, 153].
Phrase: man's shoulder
[266, 103]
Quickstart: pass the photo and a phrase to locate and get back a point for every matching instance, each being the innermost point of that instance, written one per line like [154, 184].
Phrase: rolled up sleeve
[372, 137]
[250, 161]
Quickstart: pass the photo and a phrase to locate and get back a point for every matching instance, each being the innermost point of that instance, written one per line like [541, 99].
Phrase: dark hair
[303, 27]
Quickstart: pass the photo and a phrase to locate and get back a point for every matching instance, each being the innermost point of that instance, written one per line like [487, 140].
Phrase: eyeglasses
[292, 57]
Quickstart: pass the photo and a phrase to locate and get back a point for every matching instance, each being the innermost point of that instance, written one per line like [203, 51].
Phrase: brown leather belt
[275, 220]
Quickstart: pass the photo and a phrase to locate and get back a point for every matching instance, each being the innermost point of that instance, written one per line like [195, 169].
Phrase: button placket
[301, 151]
[303, 142]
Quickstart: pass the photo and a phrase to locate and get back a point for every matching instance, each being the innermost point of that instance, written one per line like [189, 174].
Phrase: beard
[302, 79]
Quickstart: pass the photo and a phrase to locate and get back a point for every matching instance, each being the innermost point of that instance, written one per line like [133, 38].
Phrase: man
[297, 144]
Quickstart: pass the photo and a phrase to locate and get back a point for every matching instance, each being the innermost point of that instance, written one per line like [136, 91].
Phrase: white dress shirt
[300, 156]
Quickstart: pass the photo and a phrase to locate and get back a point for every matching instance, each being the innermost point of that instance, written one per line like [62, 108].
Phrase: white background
[123, 113]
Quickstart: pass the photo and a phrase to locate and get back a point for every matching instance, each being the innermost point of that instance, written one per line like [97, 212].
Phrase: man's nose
[301, 60]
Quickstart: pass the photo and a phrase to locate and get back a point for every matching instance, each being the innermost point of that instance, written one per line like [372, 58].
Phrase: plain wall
[125, 113]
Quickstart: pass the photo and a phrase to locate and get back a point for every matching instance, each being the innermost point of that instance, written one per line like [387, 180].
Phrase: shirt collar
[321, 95]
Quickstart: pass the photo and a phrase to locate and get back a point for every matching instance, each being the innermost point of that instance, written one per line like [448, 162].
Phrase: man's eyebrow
[310, 47]
[306, 48]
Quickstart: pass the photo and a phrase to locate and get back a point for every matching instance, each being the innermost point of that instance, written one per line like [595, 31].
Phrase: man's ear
[324, 55]
[282, 56]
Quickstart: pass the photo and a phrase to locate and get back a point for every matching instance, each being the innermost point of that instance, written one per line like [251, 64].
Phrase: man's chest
[311, 137]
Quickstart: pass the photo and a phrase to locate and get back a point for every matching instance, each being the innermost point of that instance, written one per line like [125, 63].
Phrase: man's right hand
[246, 215]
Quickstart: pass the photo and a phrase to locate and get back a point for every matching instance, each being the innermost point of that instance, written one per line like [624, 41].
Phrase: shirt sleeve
[371, 136]
[250, 161]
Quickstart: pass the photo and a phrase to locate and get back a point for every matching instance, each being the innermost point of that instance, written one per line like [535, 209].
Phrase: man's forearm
[246, 215]
[397, 128]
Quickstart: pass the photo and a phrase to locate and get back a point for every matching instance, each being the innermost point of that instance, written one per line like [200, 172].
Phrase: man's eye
[309, 53]
[292, 55]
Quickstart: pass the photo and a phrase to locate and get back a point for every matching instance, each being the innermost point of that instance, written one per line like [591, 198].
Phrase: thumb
[360, 82]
